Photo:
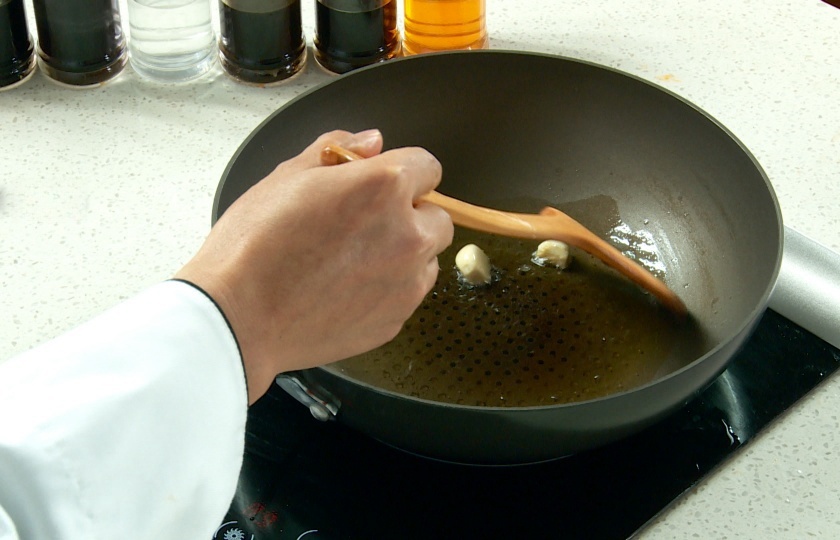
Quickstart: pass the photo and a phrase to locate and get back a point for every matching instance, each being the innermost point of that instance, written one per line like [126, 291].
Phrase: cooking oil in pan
[535, 336]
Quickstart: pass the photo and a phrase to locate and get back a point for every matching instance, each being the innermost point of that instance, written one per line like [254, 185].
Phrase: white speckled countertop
[106, 191]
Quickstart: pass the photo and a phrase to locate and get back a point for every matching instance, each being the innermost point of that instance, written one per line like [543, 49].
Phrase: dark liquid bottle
[350, 34]
[261, 40]
[17, 56]
[80, 42]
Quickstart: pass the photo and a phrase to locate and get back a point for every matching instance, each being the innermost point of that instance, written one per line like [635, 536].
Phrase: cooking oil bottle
[443, 25]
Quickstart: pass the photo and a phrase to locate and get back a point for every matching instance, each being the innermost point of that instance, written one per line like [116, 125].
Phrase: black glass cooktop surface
[322, 481]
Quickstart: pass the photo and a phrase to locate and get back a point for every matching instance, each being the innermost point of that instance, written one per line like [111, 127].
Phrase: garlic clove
[553, 253]
[473, 265]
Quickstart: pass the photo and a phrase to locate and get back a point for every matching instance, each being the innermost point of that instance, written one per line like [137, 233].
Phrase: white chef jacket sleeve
[130, 426]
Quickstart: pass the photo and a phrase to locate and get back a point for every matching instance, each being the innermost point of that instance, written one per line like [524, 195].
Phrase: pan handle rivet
[319, 412]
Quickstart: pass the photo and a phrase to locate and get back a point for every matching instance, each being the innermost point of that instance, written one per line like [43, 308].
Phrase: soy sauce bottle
[17, 55]
[80, 42]
[261, 41]
[350, 34]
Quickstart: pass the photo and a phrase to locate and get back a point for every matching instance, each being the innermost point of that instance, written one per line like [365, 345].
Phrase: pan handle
[321, 408]
[808, 289]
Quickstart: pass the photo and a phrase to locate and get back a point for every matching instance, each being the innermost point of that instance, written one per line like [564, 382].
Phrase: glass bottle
[17, 55]
[80, 42]
[171, 40]
[261, 40]
[444, 25]
[350, 34]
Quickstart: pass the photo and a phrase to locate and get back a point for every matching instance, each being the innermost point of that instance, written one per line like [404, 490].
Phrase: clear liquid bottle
[171, 40]
[261, 41]
[80, 42]
[350, 34]
[17, 55]
[444, 25]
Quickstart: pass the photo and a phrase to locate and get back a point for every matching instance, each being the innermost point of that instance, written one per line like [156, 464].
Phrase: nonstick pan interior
[519, 131]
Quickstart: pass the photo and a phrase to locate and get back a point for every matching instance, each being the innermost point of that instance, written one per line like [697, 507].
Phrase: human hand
[317, 263]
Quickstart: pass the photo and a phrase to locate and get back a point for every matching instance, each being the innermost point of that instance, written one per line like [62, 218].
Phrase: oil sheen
[536, 336]
[440, 25]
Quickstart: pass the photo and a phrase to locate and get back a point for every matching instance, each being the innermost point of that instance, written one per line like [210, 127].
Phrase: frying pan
[519, 131]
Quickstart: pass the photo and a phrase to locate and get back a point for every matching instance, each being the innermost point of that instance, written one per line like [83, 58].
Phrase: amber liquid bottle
[350, 34]
[444, 25]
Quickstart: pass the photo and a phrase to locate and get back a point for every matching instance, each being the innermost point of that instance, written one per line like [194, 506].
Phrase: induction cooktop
[302, 478]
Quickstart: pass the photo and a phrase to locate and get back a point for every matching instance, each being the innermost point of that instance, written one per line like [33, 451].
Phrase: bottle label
[353, 6]
[258, 6]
